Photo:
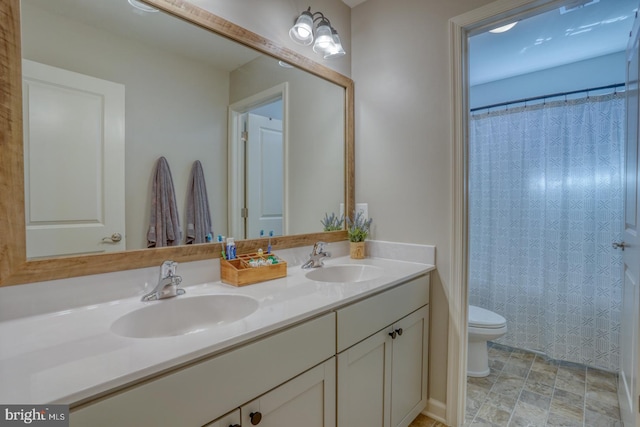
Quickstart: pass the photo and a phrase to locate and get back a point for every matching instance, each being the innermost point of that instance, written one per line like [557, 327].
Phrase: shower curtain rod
[553, 95]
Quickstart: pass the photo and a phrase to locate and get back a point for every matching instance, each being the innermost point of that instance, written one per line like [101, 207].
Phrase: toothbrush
[223, 255]
[269, 245]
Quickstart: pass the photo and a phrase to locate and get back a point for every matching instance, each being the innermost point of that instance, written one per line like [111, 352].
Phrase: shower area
[545, 205]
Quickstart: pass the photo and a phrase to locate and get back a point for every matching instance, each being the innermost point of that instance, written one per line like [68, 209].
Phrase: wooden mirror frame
[14, 266]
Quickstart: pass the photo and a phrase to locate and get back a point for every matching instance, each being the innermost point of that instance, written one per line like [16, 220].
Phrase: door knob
[620, 245]
[255, 417]
[114, 238]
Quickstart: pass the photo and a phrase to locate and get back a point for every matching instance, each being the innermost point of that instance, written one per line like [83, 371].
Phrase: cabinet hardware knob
[393, 335]
[255, 417]
[235, 425]
[399, 331]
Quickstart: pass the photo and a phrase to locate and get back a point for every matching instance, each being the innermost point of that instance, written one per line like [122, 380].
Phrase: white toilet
[484, 325]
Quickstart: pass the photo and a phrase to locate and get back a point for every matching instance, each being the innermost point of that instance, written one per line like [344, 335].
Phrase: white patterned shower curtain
[545, 204]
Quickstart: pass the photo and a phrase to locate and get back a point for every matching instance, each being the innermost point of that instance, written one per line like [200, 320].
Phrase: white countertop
[69, 356]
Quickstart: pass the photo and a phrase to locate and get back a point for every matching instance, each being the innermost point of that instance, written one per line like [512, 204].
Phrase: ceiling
[353, 3]
[156, 30]
[589, 29]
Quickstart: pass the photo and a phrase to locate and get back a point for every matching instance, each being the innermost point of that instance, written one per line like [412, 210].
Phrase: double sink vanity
[344, 344]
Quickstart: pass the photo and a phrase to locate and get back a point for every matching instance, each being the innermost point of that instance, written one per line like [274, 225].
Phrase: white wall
[158, 86]
[403, 155]
[316, 138]
[600, 71]
[273, 18]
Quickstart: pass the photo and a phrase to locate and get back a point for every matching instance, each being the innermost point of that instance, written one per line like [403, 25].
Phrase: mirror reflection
[109, 89]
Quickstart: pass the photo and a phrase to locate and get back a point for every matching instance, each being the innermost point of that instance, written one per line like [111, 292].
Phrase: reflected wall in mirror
[90, 177]
[15, 268]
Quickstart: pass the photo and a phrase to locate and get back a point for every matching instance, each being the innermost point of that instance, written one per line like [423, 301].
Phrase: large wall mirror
[271, 129]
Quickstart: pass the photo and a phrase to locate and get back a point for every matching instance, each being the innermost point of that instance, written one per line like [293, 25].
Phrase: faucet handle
[168, 269]
[318, 248]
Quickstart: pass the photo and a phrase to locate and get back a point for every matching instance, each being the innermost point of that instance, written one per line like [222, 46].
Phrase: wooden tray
[238, 272]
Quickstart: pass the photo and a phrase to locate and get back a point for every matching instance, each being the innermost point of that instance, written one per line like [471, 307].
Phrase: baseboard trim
[436, 410]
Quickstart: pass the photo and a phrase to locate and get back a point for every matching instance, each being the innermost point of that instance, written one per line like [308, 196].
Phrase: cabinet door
[364, 383]
[409, 367]
[232, 419]
[308, 400]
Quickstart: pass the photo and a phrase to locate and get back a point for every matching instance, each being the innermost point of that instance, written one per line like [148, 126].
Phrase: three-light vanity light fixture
[327, 41]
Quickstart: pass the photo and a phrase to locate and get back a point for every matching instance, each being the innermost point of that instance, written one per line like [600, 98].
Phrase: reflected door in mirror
[264, 154]
[74, 162]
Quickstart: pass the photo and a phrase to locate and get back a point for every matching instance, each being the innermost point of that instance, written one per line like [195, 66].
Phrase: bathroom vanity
[314, 353]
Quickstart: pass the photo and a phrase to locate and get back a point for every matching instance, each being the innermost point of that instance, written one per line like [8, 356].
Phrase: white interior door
[264, 172]
[74, 162]
[629, 363]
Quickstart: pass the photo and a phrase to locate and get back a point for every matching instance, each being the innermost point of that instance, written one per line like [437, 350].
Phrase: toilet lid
[482, 318]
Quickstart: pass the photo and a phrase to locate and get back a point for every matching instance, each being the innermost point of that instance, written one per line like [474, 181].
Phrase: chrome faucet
[168, 282]
[317, 256]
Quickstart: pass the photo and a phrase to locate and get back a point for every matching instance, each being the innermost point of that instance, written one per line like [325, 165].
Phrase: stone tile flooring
[424, 421]
[526, 389]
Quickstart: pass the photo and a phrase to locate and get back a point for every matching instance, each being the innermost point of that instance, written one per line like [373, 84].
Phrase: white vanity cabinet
[308, 400]
[362, 364]
[199, 393]
[382, 380]
[232, 419]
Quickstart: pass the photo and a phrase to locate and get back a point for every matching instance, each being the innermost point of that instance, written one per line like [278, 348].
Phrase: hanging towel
[198, 215]
[164, 222]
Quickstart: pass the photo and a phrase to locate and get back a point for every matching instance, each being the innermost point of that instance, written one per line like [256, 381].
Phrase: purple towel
[198, 215]
[164, 222]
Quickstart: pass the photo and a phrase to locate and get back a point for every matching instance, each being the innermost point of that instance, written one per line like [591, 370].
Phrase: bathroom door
[628, 381]
[265, 162]
[74, 162]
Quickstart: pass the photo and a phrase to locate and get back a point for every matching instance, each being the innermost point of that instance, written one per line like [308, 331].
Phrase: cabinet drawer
[362, 319]
[197, 394]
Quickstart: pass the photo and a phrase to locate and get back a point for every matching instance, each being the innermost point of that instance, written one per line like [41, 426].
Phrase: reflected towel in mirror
[198, 214]
[164, 221]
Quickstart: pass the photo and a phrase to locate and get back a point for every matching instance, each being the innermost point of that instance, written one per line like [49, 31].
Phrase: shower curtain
[545, 204]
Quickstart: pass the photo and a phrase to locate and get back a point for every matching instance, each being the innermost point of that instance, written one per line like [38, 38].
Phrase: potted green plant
[358, 230]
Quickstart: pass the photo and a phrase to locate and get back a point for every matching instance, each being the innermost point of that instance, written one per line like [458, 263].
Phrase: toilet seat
[482, 318]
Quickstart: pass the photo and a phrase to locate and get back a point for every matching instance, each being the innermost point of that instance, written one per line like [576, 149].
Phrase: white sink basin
[183, 315]
[348, 273]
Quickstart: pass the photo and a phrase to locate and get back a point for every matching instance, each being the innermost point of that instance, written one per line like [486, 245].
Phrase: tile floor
[424, 421]
[525, 389]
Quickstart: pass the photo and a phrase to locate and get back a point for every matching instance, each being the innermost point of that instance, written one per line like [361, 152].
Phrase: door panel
[76, 121]
[265, 166]
[409, 367]
[307, 400]
[364, 383]
[228, 420]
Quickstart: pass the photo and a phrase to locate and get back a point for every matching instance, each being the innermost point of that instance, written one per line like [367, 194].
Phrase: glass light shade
[324, 40]
[302, 30]
[504, 28]
[142, 6]
[336, 50]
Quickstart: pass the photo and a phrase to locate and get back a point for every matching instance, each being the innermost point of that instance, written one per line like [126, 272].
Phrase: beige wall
[400, 66]
[273, 18]
[316, 138]
[158, 87]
